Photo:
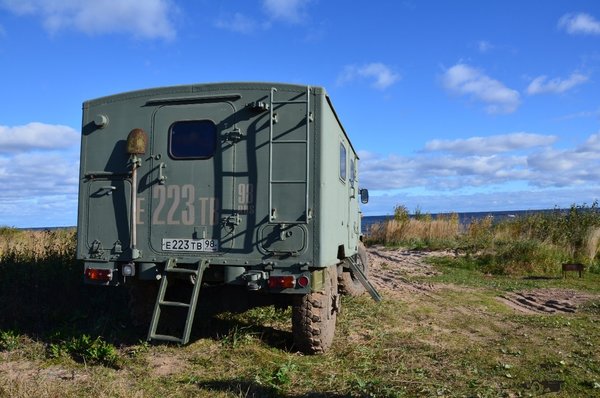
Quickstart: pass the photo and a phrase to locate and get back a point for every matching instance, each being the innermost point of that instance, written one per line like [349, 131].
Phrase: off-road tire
[142, 297]
[349, 283]
[314, 316]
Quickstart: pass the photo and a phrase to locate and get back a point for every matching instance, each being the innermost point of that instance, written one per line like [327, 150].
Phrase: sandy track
[392, 271]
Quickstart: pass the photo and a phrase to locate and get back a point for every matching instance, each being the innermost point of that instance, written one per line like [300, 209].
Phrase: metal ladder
[171, 268]
[272, 142]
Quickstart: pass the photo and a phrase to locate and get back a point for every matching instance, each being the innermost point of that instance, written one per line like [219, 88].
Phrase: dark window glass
[352, 170]
[342, 162]
[192, 139]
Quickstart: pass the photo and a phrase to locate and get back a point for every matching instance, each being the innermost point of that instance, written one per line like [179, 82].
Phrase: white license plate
[190, 245]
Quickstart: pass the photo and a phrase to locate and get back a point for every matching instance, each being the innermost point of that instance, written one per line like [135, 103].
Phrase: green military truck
[247, 184]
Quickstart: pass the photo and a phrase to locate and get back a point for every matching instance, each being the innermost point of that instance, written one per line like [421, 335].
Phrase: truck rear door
[193, 167]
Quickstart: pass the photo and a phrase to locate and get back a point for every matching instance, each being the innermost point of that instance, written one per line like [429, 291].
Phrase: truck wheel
[349, 283]
[142, 297]
[314, 316]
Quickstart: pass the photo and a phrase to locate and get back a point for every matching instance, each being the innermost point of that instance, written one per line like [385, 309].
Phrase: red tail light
[282, 282]
[98, 274]
[303, 281]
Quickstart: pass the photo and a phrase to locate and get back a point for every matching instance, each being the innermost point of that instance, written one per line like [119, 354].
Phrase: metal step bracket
[363, 279]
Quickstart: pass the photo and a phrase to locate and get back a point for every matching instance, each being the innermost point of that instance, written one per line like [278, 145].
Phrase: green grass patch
[469, 271]
[9, 340]
[85, 349]
[454, 341]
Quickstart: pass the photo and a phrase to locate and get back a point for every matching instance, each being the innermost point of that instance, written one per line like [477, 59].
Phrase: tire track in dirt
[391, 271]
[546, 301]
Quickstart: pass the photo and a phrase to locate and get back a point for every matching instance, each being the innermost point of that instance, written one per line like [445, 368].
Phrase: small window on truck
[342, 162]
[192, 139]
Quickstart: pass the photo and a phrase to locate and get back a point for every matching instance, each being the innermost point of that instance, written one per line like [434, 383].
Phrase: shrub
[85, 349]
[532, 244]
[9, 340]
[522, 257]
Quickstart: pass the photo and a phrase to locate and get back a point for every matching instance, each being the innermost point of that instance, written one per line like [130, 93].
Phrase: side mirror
[364, 195]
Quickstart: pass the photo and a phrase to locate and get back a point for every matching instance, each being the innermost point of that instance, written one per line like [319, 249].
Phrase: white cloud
[287, 11]
[239, 23]
[439, 173]
[39, 168]
[592, 144]
[582, 114]
[484, 46]
[522, 158]
[463, 79]
[293, 11]
[494, 200]
[36, 136]
[541, 84]
[492, 144]
[143, 19]
[580, 23]
[382, 76]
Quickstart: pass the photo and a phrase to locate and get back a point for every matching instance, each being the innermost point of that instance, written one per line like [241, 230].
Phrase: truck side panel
[338, 235]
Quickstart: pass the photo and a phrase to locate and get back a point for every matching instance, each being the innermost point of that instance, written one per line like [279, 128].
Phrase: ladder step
[174, 304]
[182, 270]
[165, 337]
[289, 102]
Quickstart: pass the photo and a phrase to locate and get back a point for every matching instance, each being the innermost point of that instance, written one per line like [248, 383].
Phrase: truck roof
[199, 88]
[191, 89]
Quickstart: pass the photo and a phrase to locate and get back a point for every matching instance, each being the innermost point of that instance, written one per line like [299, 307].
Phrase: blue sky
[453, 105]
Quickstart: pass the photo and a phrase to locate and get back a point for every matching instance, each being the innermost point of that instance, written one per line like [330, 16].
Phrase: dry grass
[35, 246]
[592, 243]
[534, 244]
[446, 342]
[429, 232]
[453, 343]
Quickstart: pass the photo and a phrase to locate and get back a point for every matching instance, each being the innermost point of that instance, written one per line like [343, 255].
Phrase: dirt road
[393, 272]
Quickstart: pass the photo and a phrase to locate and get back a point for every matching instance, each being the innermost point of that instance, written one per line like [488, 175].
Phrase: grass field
[60, 338]
[531, 244]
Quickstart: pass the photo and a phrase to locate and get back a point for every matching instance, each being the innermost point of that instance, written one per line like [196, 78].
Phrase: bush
[85, 349]
[9, 340]
[533, 244]
[521, 257]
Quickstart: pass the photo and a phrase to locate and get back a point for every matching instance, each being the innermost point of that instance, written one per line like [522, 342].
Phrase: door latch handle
[161, 176]
[108, 190]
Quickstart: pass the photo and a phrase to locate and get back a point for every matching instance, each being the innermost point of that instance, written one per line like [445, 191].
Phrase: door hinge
[96, 246]
[234, 135]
